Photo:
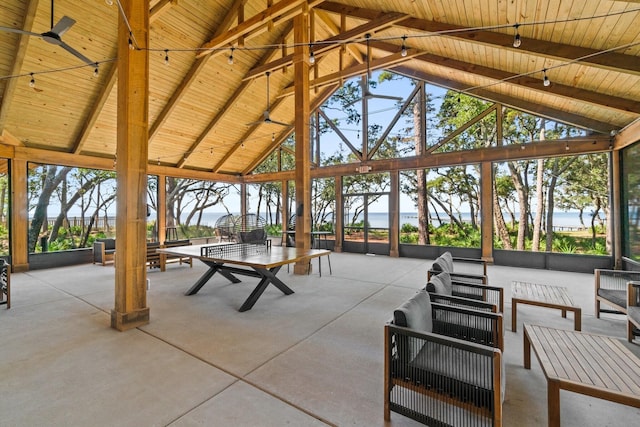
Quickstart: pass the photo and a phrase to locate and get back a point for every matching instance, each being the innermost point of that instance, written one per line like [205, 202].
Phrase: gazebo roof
[200, 105]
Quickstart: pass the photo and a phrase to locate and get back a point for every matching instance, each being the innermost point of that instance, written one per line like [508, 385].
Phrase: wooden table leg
[553, 403]
[527, 350]
[514, 319]
[577, 319]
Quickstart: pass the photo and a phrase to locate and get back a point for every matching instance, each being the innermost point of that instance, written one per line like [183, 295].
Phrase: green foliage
[408, 228]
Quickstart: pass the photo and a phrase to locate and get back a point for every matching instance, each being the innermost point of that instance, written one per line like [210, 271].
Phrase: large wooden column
[19, 216]
[284, 209]
[486, 197]
[303, 143]
[133, 134]
[614, 227]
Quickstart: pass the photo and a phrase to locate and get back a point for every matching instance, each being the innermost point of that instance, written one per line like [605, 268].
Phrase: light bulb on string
[96, 71]
[131, 46]
[517, 41]
[32, 82]
[230, 59]
[273, 137]
[109, 2]
[545, 80]
[403, 50]
[312, 57]
[166, 57]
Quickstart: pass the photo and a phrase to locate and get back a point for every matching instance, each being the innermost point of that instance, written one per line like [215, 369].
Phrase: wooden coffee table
[543, 296]
[593, 365]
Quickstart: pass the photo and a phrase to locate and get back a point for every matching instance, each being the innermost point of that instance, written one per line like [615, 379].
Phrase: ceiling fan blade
[76, 53]
[275, 122]
[18, 31]
[394, 98]
[63, 25]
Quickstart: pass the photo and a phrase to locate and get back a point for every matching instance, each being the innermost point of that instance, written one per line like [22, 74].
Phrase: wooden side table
[543, 296]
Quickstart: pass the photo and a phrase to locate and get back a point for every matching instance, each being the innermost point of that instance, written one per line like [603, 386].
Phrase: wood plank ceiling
[201, 105]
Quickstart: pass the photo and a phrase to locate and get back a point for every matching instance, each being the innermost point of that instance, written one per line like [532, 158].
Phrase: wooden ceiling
[200, 105]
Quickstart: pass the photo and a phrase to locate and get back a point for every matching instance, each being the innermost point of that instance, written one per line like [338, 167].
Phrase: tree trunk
[52, 180]
[421, 180]
[499, 224]
[537, 222]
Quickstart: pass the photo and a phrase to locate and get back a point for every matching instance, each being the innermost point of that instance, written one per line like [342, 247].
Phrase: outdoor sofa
[611, 289]
[104, 250]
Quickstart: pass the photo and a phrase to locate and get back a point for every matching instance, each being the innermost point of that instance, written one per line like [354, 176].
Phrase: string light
[545, 80]
[517, 41]
[403, 50]
[230, 59]
[312, 57]
[96, 71]
[109, 2]
[32, 82]
[131, 46]
[273, 137]
[166, 57]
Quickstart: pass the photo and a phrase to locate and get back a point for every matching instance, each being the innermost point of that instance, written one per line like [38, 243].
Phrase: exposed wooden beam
[192, 74]
[324, 46]
[544, 149]
[154, 13]
[240, 90]
[628, 135]
[529, 82]
[357, 70]
[317, 102]
[518, 104]
[609, 61]
[334, 29]
[18, 60]
[96, 109]
[7, 138]
[282, 11]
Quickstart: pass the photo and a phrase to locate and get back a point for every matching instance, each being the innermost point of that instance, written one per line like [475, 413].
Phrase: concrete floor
[314, 358]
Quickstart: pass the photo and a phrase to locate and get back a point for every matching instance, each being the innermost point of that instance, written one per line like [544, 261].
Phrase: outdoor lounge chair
[611, 289]
[444, 285]
[5, 283]
[104, 250]
[444, 372]
[473, 270]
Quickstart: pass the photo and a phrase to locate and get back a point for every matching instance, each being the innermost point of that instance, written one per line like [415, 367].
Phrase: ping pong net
[235, 249]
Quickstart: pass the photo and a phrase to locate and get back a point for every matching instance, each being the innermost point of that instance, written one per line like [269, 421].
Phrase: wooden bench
[167, 258]
[153, 257]
[543, 296]
[593, 365]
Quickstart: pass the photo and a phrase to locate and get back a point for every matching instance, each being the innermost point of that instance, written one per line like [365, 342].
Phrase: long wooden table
[543, 296]
[247, 260]
[594, 365]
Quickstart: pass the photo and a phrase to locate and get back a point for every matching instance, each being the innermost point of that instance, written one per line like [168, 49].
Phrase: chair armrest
[468, 277]
[480, 327]
[633, 294]
[457, 301]
[492, 294]
[476, 261]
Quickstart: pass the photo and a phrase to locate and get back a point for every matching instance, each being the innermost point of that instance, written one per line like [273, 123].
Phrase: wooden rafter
[562, 52]
[324, 46]
[529, 82]
[334, 29]
[357, 70]
[21, 50]
[240, 90]
[101, 99]
[317, 102]
[516, 103]
[192, 74]
[283, 10]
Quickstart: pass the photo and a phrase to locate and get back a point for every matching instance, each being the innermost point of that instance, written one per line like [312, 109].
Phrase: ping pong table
[259, 260]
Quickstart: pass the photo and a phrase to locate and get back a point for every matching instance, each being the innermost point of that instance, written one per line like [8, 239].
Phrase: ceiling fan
[265, 116]
[364, 81]
[54, 35]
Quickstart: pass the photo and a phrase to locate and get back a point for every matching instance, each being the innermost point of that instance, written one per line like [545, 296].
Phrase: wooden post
[284, 208]
[338, 214]
[614, 227]
[394, 212]
[19, 216]
[303, 143]
[131, 308]
[486, 197]
[161, 213]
